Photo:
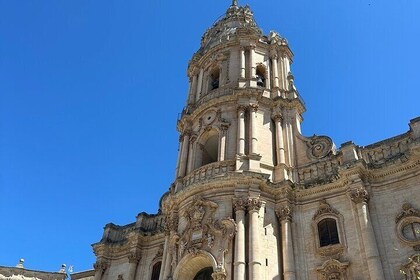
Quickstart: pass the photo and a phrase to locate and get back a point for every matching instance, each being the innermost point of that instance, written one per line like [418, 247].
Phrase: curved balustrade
[208, 171]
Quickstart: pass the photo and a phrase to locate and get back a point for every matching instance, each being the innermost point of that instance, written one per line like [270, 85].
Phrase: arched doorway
[204, 274]
[198, 266]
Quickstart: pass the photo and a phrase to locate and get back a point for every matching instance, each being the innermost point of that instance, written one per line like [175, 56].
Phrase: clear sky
[90, 92]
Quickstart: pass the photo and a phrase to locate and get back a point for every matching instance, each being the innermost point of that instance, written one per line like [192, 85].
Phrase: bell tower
[243, 110]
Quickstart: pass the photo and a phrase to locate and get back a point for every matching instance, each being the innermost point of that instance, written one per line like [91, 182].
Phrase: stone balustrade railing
[319, 172]
[379, 153]
[207, 171]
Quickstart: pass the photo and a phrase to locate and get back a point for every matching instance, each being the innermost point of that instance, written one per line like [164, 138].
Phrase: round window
[411, 231]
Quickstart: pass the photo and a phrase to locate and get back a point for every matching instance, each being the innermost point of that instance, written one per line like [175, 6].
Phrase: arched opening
[156, 271]
[210, 150]
[214, 78]
[204, 274]
[197, 266]
[260, 75]
[328, 233]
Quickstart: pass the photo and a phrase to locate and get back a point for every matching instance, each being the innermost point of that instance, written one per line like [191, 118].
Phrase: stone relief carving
[324, 208]
[408, 226]
[203, 232]
[411, 270]
[284, 212]
[333, 270]
[358, 195]
[100, 265]
[319, 147]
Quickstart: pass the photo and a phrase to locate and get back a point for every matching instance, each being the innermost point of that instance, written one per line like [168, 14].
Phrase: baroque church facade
[253, 197]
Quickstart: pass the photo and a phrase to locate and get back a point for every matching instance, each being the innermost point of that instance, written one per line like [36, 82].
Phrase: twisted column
[360, 197]
[284, 214]
[254, 205]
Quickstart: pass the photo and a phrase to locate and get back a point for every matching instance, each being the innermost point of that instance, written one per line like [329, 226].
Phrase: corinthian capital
[100, 265]
[134, 257]
[284, 213]
[359, 195]
[239, 203]
[254, 204]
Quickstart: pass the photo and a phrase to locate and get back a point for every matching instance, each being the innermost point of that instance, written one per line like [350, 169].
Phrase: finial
[235, 3]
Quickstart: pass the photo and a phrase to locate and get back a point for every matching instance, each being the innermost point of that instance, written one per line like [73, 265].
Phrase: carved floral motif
[239, 203]
[100, 265]
[254, 204]
[134, 257]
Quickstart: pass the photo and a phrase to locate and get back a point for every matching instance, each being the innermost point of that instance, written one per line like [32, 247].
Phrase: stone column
[252, 66]
[242, 62]
[360, 197]
[194, 88]
[254, 140]
[100, 267]
[184, 153]
[239, 205]
[284, 213]
[164, 258]
[279, 140]
[268, 77]
[275, 71]
[133, 260]
[190, 165]
[254, 205]
[241, 130]
[222, 142]
[280, 169]
[199, 85]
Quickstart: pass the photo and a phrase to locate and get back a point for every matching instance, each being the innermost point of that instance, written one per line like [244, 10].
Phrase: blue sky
[90, 92]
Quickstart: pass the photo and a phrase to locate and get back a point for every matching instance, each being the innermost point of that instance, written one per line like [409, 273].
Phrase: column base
[280, 173]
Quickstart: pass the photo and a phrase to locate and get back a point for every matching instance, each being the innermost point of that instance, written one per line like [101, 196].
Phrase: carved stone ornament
[240, 203]
[171, 222]
[254, 204]
[120, 277]
[324, 208]
[411, 270]
[134, 257]
[203, 232]
[407, 211]
[359, 195]
[319, 147]
[331, 251]
[408, 226]
[284, 213]
[333, 270]
[219, 275]
[100, 265]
